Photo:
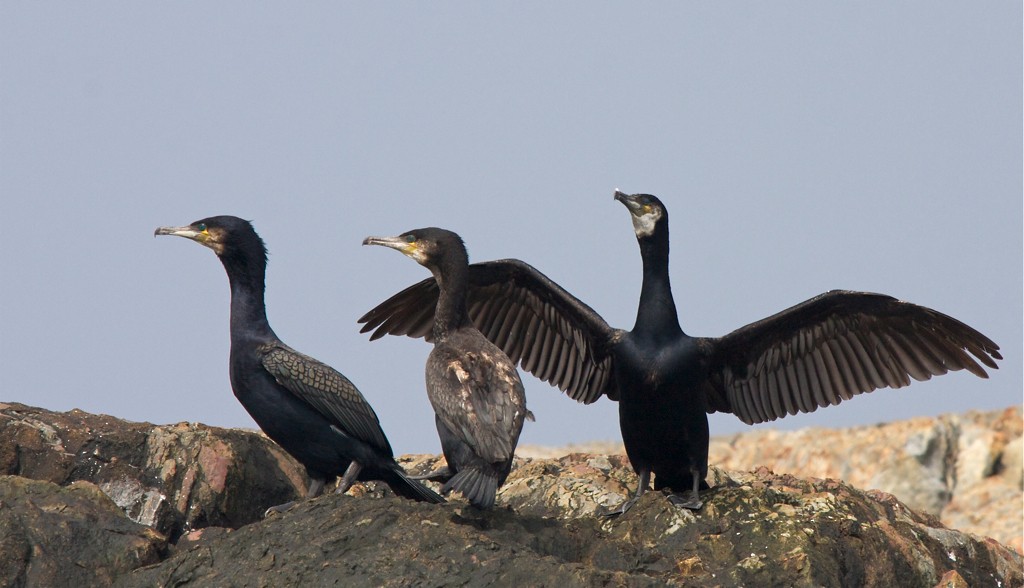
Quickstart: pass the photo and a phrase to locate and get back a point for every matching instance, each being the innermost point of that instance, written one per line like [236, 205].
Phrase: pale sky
[799, 147]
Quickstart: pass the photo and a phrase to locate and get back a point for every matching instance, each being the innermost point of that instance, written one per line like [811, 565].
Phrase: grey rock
[68, 536]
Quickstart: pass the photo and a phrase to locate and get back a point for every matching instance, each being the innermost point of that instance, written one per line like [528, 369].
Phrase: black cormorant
[316, 414]
[815, 354]
[475, 390]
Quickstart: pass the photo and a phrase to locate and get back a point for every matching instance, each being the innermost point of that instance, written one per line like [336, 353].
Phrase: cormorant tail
[411, 489]
[477, 486]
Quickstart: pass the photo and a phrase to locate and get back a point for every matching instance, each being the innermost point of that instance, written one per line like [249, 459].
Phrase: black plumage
[311, 410]
[473, 387]
[815, 354]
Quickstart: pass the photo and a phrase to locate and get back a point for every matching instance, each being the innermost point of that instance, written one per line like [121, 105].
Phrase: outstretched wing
[540, 326]
[326, 390]
[833, 347]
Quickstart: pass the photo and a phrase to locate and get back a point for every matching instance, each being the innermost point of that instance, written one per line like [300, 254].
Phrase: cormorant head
[646, 211]
[229, 236]
[430, 247]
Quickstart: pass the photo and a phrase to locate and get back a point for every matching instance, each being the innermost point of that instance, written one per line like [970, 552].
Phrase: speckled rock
[968, 468]
[964, 468]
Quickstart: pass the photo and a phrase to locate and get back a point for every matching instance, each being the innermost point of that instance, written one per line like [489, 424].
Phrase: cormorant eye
[201, 227]
[410, 238]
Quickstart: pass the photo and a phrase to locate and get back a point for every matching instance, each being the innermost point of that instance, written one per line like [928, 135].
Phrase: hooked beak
[398, 244]
[187, 232]
[392, 242]
[629, 200]
[204, 238]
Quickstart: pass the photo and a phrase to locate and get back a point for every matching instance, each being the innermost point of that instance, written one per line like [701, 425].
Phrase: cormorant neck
[657, 311]
[248, 306]
[453, 280]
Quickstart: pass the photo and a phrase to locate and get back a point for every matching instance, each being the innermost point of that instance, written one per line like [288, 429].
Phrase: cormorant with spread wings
[816, 354]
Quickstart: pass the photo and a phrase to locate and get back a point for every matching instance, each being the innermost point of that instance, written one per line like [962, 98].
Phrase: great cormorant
[815, 354]
[475, 390]
[312, 411]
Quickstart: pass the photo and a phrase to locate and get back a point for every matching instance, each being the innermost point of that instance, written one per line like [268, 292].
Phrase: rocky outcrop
[965, 469]
[68, 536]
[171, 478]
[144, 505]
[756, 529]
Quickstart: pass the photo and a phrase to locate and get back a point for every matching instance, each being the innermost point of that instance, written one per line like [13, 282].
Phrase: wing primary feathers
[481, 315]
[740, 405]
[495, 317]
[811, 373]
[842, 379]
[931, 361]
[906, 358]
[867, 363]
[853, 360]
[560, 366]
[824, 377]
[545, 354]
[793, 387]
[925, 364]
[514, 343]
[506, 332]
[761, 388]
[805, 381]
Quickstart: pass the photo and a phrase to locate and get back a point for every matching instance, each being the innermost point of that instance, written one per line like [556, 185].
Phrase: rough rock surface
[68, 536]
[172, 478]
[205, 489]
[756, 529]
[966, 469]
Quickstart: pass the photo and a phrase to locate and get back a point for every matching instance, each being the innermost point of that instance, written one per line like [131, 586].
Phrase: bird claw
[622, 508]
[279, 509]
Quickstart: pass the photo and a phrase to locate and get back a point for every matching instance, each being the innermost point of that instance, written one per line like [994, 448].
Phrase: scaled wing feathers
[326, 390]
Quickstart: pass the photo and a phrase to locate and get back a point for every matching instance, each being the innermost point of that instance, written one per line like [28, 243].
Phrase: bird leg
[316, 486]
[645, 477]
[693, 502]
[349, 478]
[442, 474]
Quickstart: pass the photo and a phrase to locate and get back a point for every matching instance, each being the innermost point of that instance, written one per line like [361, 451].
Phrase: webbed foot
[622, 508]
[692, 502]
[641, 487]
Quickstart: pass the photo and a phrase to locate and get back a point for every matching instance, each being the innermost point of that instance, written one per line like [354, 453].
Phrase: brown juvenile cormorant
[815, 354]
[312, 411]
[478, 398]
